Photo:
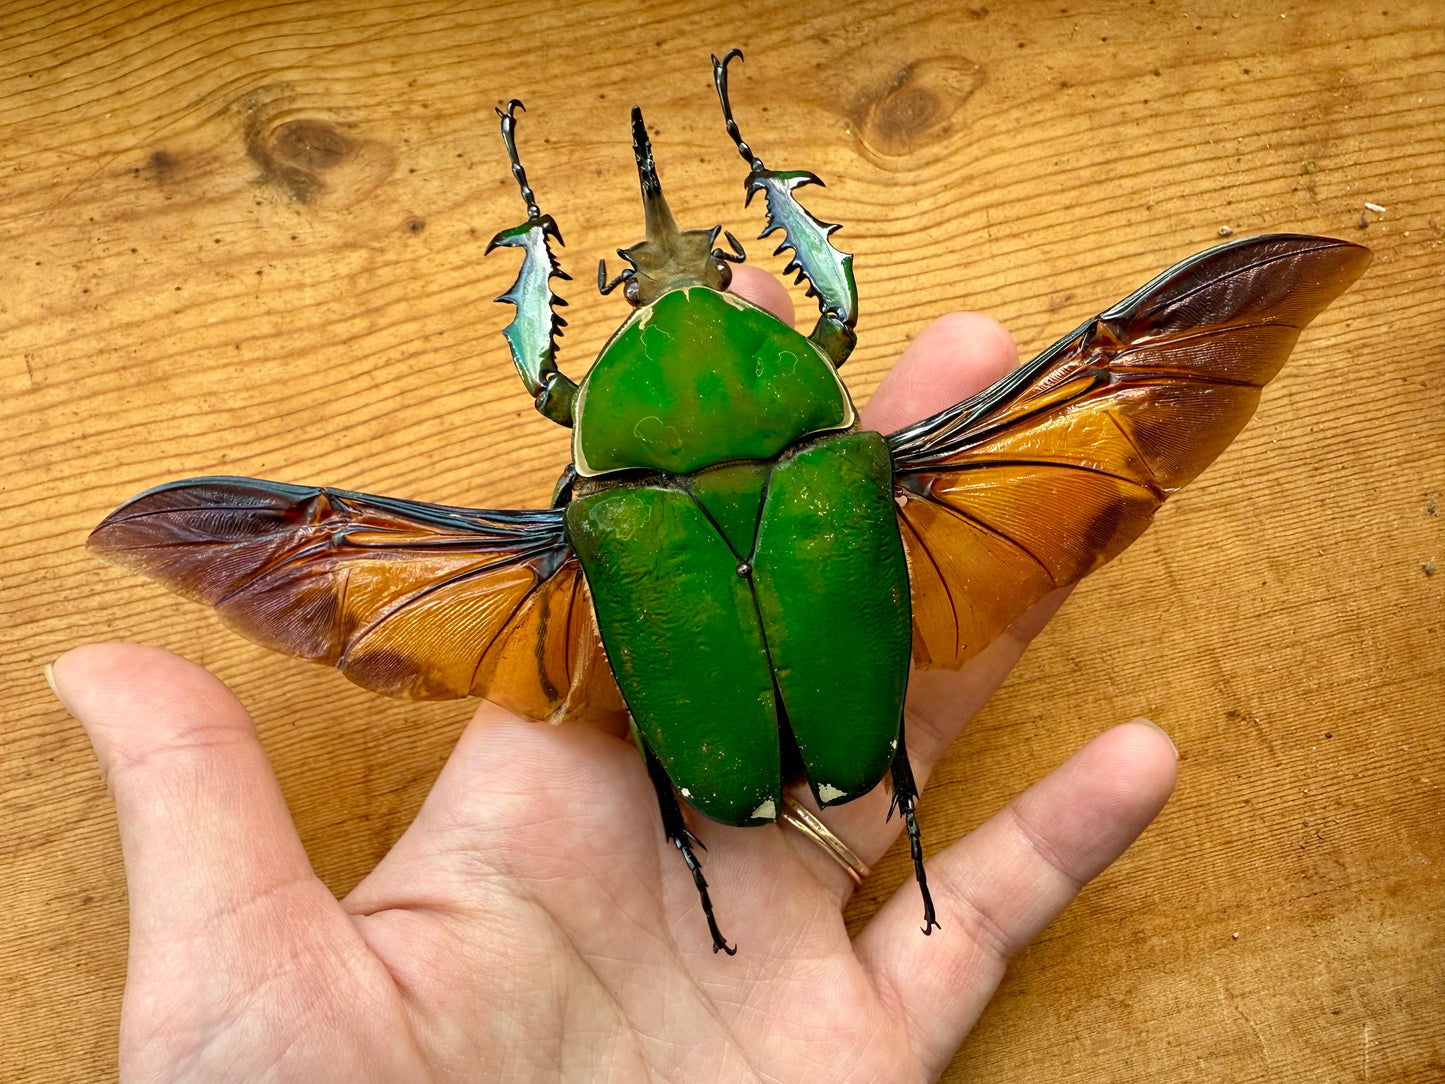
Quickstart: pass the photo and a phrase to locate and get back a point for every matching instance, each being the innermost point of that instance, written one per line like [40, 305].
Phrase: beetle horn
[661, 226]
[667, 256]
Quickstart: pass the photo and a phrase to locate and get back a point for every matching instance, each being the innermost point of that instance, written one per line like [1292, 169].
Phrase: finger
[951, 359]
[763, 290]
[203, 826]
[996, 888]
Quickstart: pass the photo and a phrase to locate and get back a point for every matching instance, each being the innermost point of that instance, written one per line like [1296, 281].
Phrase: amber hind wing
[1041, 478]
[408, 599]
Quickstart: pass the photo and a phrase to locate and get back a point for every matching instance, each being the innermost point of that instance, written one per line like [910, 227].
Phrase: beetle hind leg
[905, 801]
[681, 837]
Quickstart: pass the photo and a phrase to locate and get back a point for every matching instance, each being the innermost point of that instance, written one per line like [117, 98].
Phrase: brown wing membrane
[408, 599]
[1040, 479]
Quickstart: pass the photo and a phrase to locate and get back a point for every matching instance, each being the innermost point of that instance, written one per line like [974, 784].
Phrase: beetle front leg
[681, 837]
[532, 334]
[829, 271]
[905, 800]
[834, 337]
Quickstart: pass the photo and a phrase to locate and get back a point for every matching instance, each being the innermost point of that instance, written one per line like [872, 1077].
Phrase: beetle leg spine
[905, 801]
[675, 827]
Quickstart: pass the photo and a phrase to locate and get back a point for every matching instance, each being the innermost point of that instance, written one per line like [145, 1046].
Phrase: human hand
[534, 923]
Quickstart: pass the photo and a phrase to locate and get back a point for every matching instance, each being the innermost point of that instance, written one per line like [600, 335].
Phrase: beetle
[729, 555]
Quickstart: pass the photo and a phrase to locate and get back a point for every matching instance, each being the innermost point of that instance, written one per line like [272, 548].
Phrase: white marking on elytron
[829, 793]
[686, 793]
[893, 745]
[765, 812]
[621, 520]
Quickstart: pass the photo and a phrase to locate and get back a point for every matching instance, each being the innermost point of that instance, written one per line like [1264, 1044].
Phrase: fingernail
[1156, 726]
[50, 680]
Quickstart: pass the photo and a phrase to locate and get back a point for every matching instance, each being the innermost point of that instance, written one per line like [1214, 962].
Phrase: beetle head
[667, 257]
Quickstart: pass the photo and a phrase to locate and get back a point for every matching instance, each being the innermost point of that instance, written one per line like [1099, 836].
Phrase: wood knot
[306, 156]
[294, 154]
[309, 144]
[916, 110]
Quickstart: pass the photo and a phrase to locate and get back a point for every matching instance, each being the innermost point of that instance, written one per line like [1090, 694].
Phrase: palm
[534, 923]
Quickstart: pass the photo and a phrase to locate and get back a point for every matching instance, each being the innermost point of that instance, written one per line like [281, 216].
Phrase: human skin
[533, 923]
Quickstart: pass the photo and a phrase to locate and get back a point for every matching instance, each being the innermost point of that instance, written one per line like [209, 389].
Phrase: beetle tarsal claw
[905, 800]
[674, 827]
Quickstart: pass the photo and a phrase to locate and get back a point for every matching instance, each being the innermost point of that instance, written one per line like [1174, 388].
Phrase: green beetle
[754, 570]
[721, 487]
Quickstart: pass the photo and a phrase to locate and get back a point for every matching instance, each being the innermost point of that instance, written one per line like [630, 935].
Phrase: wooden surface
[248, 239]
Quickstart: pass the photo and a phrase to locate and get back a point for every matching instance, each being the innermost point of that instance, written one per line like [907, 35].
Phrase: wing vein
[568, 656]
[990, 464]
[482, 657]
[996, 533]
[947, 587]
[416, 596]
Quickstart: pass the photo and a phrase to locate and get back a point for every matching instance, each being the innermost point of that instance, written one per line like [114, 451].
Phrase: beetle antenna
[720, 78]
[603, 286]
[509, 137]
[737, 255]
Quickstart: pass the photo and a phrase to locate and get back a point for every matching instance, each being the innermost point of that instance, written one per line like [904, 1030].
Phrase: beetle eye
[724, 274]
[631, 291]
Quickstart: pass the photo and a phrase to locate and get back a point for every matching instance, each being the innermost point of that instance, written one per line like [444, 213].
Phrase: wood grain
[247, 238]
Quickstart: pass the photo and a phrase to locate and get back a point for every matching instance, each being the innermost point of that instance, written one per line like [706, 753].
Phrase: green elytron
[760, 571]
